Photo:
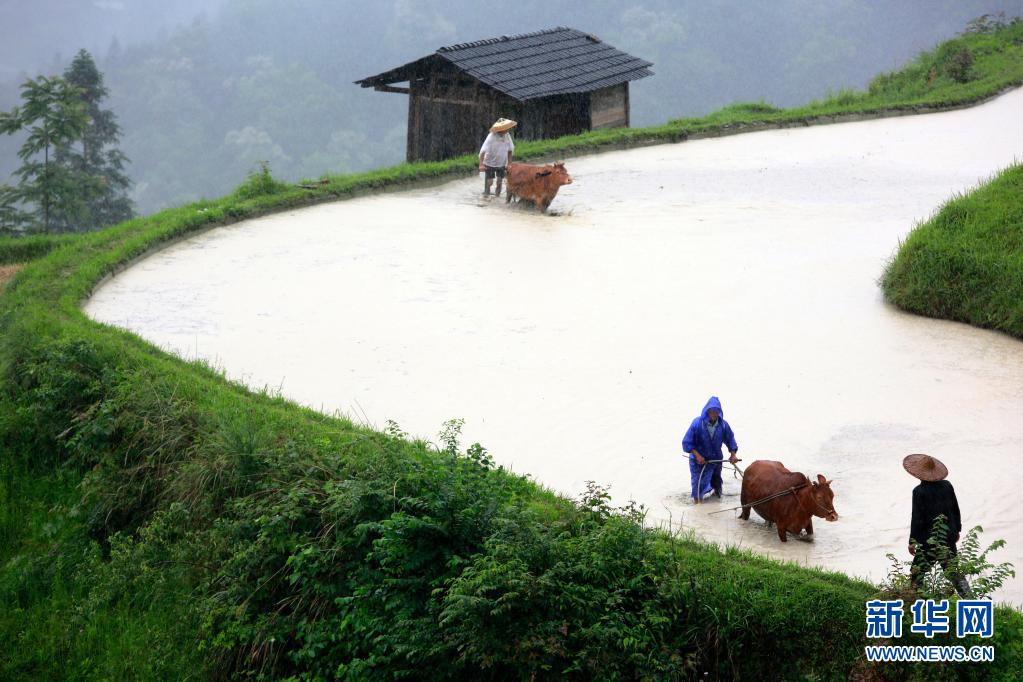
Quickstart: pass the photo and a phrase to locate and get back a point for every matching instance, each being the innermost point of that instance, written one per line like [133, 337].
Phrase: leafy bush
[958, 65]
[260, 183]
[970, 562]
[990, 23]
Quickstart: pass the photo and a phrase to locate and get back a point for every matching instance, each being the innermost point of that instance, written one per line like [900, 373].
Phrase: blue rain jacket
[707, 478]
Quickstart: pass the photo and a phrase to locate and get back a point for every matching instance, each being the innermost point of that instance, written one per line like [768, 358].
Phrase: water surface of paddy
[579, 346]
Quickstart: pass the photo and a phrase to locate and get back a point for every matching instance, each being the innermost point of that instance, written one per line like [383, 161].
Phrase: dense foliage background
[204, 90]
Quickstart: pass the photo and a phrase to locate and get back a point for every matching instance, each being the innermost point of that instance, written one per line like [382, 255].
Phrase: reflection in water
[579, 346]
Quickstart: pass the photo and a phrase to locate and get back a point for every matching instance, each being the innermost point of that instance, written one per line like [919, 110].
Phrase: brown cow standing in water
[792, 511]
[538, 184]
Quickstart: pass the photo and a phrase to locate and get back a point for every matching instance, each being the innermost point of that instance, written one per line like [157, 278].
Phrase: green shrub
[958, 63]
[260, 183]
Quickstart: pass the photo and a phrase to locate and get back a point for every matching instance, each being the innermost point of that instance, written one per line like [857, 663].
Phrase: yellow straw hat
[925, 467]
[502, 124]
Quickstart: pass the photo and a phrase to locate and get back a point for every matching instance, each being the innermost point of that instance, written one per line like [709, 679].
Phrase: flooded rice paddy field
[578, 346]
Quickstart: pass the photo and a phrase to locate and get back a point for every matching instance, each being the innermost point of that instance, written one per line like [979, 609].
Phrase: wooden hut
[555, 82]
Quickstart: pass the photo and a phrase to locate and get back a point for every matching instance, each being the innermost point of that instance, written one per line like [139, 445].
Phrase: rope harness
[737, 470]
[787, 491]
[735, 467]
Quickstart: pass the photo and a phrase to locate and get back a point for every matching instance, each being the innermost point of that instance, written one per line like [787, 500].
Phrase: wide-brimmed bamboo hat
[502, 124]
[925, 467]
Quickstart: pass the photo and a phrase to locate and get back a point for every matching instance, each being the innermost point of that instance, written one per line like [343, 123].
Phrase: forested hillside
[250, 80]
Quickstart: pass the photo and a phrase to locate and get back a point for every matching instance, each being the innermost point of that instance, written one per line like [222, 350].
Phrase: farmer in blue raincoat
[703, 442]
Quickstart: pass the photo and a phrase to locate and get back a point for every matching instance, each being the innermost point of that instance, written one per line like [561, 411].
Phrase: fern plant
[970, 562]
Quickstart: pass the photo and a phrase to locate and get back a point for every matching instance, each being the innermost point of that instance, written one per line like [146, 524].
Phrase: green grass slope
[158, 521]
[966, 262]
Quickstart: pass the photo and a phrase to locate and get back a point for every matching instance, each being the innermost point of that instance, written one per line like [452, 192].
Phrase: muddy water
[579, 346]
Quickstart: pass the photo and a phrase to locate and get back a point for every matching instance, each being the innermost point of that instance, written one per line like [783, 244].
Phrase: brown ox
[800, 499]
[538, 184]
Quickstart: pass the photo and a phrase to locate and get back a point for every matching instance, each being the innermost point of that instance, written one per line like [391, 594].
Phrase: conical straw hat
[502, 124]
[925, 467]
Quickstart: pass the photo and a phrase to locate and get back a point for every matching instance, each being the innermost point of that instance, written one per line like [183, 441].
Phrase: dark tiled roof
[552, 62]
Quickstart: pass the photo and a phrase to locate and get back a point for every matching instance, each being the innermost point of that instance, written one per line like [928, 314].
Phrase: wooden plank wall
[609, 107]
[554, 116]
[449, 114]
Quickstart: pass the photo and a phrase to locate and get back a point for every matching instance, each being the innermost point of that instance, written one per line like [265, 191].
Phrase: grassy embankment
[966, 262]
[16, 251]
[24, 249]
[159, 521]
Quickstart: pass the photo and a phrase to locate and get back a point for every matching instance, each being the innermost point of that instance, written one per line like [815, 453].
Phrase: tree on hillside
[53, 114]
[94, 162]
[11, 219]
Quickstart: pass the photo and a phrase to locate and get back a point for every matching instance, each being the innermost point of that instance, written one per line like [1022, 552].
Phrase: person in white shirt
[496, 154]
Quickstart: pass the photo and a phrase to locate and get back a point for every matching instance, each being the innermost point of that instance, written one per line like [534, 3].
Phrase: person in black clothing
[934, 497]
